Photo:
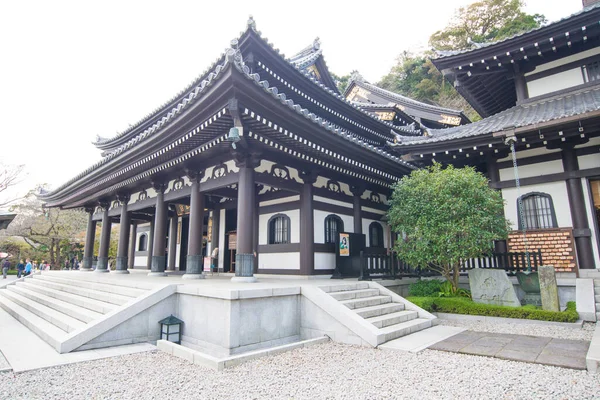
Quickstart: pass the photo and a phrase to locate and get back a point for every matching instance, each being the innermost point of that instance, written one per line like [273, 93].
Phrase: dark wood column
[102, 265]
[581, 228]
[194, 261]
[307, 225]
[132, 243]
[256, 226]
[90, 235]
[357, 192]
[172, 243]
[150, 245]
[520, 84]
[493, 173]
[244, 258]
[160, 233]
[123, 236]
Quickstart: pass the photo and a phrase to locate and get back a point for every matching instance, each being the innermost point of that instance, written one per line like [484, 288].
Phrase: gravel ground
[558, 332]
[327, 371]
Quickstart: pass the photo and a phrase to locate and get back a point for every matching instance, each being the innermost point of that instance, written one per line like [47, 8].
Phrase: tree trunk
[52, 255]
[455, 278]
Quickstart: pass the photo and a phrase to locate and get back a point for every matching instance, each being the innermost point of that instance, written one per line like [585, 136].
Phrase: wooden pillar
[102, 265]
[215, 234]
[357, 192]
[244, 258]
[307, 225]
[160, 233]
[172, 243]
[581, 228]
[132, 243]
[520, 84]
[150, 245]
[122, 255]
[493, 173]
[194, 262]
[90, 235]
[256, 226]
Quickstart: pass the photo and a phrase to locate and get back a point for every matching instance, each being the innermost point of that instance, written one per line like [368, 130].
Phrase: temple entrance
[230, 240]
[185, 225]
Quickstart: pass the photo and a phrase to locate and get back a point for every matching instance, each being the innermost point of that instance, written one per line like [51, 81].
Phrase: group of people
[24, 268]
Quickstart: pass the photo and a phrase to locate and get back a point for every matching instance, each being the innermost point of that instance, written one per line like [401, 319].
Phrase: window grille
[538, 211]
[591, 72]
[143, 245]
[279, 229]
[333, 226]
[375, 234]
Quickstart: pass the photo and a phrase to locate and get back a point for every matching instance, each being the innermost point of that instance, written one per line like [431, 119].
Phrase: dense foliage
[445, 216]
[460, 305]
[425, 288]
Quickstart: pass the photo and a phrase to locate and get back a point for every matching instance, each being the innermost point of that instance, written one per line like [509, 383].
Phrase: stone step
[81, 301]
[101, 287]
[381, 309]
[596, 289]
[345, 287]
[404, 328]
[366, 302]
[381, 321]
[72, 310]
[90, 293]
[597, 282]
[354, 294]
[597, 297]
[44, 329]
[58, 319]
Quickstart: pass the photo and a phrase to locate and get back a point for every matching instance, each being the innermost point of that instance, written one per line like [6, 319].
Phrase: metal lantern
[170, 329]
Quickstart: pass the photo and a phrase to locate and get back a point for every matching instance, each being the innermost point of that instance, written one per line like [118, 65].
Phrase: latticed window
[376, 234]
[279, 229]
[333, 226]
[591, 72]
[538, 211]
[143, 245]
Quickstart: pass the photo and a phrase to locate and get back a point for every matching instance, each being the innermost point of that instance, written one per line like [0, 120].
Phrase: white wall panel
[279, 201]
[334, 202]
[263, 221]
[528, 171]
[590, 214]
[279, 260]
[319, 218]
[324, 261]
[553, 83]
[365, 226]
[589, 161]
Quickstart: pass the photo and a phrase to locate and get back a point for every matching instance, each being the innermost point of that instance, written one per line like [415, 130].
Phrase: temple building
[260, 157]
[539, 94]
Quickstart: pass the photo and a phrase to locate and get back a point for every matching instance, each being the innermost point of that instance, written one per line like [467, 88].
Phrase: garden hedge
[460, 305]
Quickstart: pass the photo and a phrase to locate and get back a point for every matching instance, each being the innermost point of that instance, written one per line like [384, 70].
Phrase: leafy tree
[485, 21]
[446, 216]
[341, 81]
[48, 230]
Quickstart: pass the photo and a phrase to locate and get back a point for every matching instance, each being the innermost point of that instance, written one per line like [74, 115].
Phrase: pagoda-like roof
[433, 116]
[485, 75]
[311, 60]
[534, 114]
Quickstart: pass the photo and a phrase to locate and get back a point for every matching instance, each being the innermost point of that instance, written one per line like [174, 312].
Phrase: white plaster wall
[365, 228]
[589, 161]
[279, 201]
[324, 261]
[553, 83]
[279, 260]
[334, 202]
[319, 221]
[373, 210]
[558, 191]
[589, 211]
[527, 171]
[521, 154]
[140, 261]
[263, 221]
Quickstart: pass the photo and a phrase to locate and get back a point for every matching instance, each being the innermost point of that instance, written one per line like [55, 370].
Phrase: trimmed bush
[458, 305]
[425, 288]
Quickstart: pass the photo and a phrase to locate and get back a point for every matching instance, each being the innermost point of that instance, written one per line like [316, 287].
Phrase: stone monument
[548, 288]
[492, 286]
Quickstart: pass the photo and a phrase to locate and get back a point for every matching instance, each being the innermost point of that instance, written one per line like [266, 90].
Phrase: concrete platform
[534, 349]
[25, 351]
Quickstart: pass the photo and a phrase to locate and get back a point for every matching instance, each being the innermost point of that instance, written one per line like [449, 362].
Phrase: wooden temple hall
[260, 157]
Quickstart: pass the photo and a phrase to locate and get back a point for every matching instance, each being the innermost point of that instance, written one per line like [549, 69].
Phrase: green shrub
[425, 288]
[460, 305]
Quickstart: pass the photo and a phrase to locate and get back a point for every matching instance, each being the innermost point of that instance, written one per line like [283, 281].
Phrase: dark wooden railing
[390, 266]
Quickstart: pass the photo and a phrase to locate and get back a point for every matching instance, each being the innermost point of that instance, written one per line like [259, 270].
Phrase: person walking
[28, 267]
[20, 268]
[215, 259]
[5, 267]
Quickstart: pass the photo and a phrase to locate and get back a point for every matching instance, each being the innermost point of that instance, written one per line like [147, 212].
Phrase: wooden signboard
[232, 240]
[209, 229]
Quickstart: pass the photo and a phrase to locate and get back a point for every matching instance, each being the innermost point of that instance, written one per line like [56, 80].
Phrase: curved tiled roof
[526, 114]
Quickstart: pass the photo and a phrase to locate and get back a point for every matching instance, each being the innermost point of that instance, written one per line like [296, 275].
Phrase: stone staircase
[57, 308]
[390, 318]
[597, 297]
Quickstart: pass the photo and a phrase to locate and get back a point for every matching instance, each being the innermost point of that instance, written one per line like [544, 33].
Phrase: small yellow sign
[344, 244]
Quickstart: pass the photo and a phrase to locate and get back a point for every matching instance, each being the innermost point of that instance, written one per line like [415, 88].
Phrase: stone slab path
[534, 349]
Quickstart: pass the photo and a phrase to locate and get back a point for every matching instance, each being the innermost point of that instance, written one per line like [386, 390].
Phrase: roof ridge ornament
[317, 43]
[251, 23]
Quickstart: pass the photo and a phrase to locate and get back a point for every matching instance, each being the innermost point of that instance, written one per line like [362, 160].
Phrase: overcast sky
[72, 70]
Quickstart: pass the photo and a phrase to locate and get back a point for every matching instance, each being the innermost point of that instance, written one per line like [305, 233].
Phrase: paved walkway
[533, 349]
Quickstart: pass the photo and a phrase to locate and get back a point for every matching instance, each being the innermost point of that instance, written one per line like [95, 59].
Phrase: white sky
[72, 70]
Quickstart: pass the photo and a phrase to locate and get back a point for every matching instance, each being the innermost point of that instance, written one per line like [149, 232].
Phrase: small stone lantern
[170, 329]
